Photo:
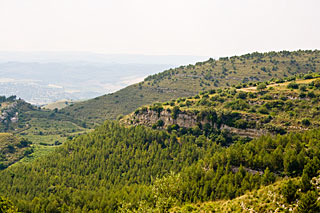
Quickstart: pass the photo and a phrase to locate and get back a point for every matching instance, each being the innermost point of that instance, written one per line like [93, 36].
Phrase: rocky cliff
[162, 119]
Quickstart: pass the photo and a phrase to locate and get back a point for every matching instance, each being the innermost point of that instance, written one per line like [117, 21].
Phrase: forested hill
[124, 169]
[24, 123]
[279, 107]
[189, 80]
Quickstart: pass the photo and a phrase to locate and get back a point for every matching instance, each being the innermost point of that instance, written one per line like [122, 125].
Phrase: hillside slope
[116, 168]
[277, 108]
[188, 80]
[46, 129]
[12, 149]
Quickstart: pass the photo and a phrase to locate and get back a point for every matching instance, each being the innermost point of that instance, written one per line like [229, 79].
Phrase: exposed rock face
[235, 169]
[187, 119]
[148, 118]
[251, 133]
[9, 113]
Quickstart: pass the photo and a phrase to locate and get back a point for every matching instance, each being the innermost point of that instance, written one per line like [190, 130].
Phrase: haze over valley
[45, 77]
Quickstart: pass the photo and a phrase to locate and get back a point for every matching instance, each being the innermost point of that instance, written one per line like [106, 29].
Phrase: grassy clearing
[58, 104]
[39, 151]
[281, 86]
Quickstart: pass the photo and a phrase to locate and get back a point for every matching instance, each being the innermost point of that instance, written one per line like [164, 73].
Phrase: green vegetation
[132, 165]
[13, 149]
[252, 146]
[41, 127]
[247, 111]
[103, 162]
[58, 105]
[6, 206]
[283, 196]
[266, 199]
[189, 80]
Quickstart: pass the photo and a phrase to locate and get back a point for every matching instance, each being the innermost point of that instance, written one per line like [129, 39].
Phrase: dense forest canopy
[115, 163]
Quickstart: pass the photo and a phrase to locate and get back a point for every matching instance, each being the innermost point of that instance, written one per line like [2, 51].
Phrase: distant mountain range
[45, 57]
[45, 77]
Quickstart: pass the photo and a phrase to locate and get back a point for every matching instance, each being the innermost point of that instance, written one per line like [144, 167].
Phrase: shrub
[175, 112]
[212, 91]
[160, 123]
[303, 88]
[263, 110]
[308, 76]
[311, 94]
[28, 152]
[11, 148]
[293, 85]
[302, 95]
[242, 95]
[156, 108]
[173, 127]
[188, 103]
[316, 83]
[23, 143]
[306, 122]
[241, 124]
[261, 86]
[267, 97]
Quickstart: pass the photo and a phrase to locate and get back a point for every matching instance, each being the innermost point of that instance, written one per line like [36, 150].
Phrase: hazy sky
[188, 27]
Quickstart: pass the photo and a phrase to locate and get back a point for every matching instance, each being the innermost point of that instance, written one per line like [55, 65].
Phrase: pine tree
[308, 202]
[289, 190]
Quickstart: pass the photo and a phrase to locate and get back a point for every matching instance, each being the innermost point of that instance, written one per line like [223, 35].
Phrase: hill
[248, 111]
[269, 198]
[182, 154]
[58, 104]
[117, 168]
[46, 129]
[189, 80]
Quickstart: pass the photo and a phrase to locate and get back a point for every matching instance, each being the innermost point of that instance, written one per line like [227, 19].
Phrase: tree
[303, 88]
[289, 191]
[6, 205]
[242, 95]
[160, 123]
[310, 170]
[175, 112]
[293, 85]
[268, 177]
[166, 191]
[308, 202]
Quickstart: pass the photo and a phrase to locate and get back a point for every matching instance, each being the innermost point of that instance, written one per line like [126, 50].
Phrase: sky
[160, 27]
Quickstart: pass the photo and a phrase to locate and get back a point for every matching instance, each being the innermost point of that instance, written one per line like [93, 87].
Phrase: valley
[236, 134]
